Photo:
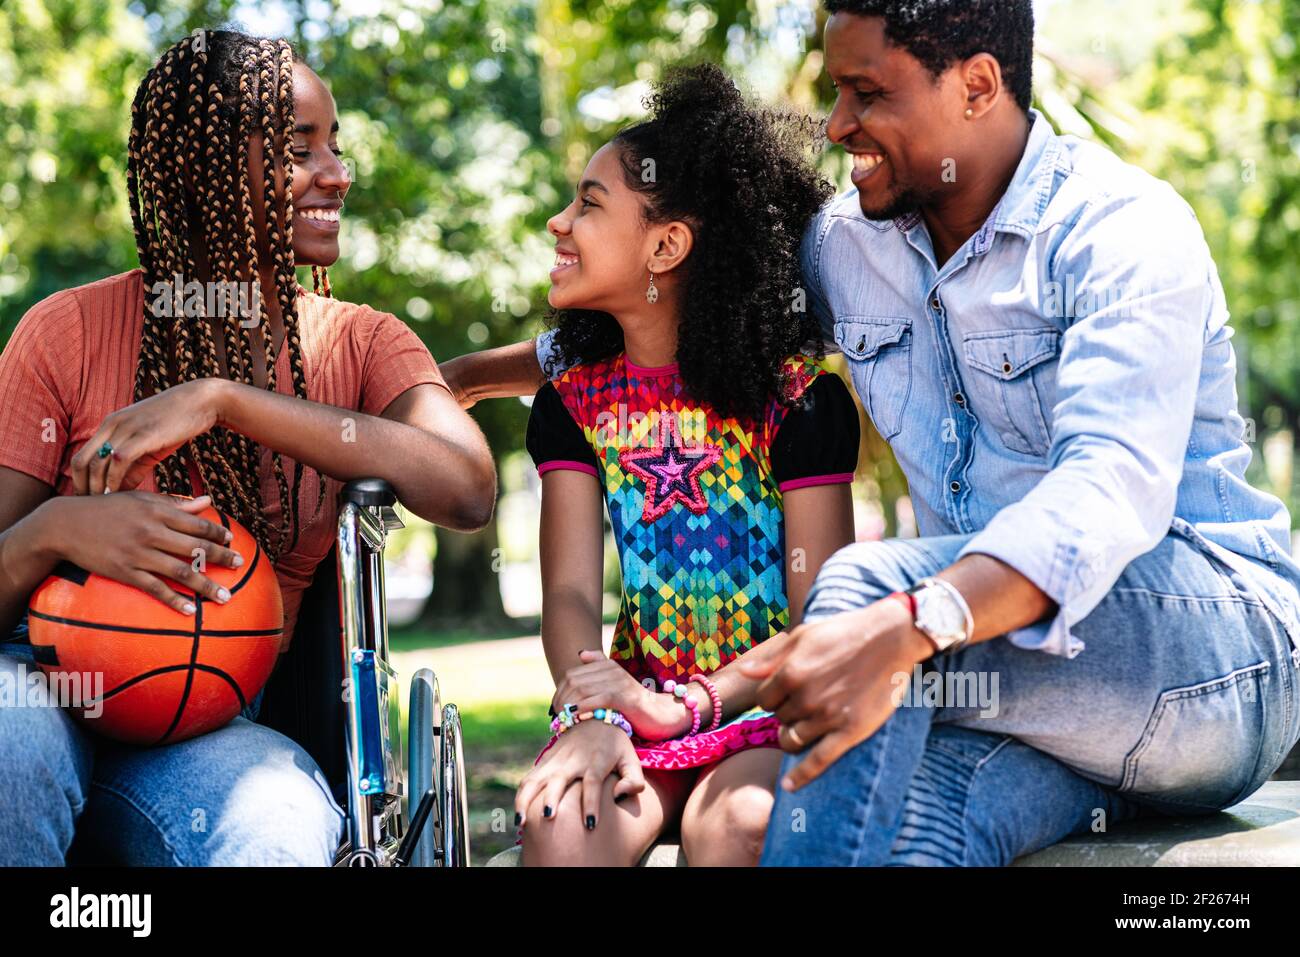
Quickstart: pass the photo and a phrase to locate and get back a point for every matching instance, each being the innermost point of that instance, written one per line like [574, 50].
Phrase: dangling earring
[652, 294]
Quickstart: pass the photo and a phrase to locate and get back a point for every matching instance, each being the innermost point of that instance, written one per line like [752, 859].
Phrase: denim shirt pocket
[879, 352]
[1015, 388]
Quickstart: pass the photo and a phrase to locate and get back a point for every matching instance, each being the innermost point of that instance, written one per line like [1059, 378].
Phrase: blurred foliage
[1206, 94]
[466, 122]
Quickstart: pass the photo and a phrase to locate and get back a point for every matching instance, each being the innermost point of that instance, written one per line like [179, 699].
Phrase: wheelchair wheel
[453, 806]
[453, 796]
[424, 761]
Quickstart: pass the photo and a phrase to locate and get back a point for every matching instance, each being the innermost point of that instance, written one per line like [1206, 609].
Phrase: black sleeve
[817, 442]
[554, 439]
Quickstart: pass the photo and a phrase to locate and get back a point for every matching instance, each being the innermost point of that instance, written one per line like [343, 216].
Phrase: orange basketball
[166, 676]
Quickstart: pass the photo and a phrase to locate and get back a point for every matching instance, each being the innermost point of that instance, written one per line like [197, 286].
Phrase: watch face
[939, 615]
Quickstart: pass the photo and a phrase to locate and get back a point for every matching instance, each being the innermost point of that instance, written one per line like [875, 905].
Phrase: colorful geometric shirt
[695, 500]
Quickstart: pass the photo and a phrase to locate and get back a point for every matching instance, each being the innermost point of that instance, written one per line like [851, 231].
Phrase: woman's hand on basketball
[585, 755]
[143, 539]
[600, 682]
[130, 441]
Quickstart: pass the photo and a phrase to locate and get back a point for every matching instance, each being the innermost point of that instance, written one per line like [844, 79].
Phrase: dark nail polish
[591, 822]
[518, 818]
[546, 811]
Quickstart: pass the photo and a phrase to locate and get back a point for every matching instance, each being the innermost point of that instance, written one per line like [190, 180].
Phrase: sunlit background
[465, 124]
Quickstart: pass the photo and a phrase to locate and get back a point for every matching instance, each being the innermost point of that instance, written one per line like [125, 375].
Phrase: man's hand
[831, 683]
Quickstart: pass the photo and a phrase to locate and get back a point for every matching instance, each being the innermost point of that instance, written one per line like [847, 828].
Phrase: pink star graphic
[671, 473]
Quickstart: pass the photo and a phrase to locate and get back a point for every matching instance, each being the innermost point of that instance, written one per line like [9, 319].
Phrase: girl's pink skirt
[755, 728]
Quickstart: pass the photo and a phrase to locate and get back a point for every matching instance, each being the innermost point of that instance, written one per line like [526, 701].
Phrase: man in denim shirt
[1039, 332]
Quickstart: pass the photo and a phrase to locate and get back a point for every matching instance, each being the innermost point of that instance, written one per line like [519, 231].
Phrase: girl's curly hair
[738, 174]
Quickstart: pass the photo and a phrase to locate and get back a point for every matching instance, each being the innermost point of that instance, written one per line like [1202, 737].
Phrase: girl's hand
[600, 682]
[586, 754]
[143, 434]
[141, 538]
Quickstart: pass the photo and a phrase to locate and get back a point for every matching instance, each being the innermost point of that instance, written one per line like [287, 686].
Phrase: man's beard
[900, 203]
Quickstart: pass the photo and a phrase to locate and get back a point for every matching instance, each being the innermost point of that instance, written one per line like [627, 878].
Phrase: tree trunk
[466, 587]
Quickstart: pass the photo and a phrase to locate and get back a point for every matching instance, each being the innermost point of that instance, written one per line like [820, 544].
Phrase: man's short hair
[941, 32]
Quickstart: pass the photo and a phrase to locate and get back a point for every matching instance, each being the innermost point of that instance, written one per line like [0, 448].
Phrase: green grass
[510, 724]
[416, 639]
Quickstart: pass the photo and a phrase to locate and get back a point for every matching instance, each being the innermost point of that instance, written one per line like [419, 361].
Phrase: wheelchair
[338, 696]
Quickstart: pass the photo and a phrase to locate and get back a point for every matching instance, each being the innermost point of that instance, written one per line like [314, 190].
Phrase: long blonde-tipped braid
[205, 450]
[275, 241]
[245, 252]
[288, 280]
[174, 248]
[219, 237]
[216, 447]
[162, 240]
[158, 148]
[219, 447]
[149, 373]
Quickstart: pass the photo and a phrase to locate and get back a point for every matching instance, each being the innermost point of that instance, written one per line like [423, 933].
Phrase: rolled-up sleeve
[548, 356]
[1127, 380]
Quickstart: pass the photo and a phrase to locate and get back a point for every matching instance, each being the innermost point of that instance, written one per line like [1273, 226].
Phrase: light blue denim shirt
[1063, 388]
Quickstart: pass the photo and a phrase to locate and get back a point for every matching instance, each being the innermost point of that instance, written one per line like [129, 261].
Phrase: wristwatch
[941, 614]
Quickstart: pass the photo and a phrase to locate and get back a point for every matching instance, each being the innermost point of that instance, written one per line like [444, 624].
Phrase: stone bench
[1261, 831]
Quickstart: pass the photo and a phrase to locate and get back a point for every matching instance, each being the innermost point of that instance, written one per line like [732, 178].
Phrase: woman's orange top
[72, 361]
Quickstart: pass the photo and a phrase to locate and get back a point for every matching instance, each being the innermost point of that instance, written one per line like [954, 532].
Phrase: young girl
[139, 384]
[723, 456]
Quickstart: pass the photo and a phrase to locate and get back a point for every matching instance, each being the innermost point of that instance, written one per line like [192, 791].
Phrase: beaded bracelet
[714, 698]
[569, 717]
[678, 691]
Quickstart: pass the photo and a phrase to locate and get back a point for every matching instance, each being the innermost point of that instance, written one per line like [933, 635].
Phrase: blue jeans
[1183, 702]
[241, 795]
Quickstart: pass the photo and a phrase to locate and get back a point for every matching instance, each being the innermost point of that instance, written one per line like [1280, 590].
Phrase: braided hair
[739, 175]
[197, 108]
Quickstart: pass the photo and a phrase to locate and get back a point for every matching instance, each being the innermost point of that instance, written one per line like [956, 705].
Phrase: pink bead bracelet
[714, 698]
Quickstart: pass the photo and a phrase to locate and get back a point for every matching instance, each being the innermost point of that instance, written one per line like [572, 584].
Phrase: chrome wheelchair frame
[432, 829]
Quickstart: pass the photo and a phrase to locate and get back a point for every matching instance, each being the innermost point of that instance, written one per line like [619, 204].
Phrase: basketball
[166, 676]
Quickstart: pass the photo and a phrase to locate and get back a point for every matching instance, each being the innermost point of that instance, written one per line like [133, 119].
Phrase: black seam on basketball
[161, 632]
[189, 672]
[257, 554]
[45, 655]
[168, 669]
[70, 572]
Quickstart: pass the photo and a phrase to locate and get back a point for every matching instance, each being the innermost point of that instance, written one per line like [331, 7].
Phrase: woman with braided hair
[209, 372]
